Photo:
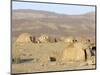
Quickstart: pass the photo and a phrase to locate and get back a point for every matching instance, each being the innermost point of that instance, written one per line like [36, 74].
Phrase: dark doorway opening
[85, 54]
[93, 48]
[52, 59]
[93, 51]
[33, 39]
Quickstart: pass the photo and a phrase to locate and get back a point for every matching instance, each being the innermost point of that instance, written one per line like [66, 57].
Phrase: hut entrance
[85, 54]
[93, 51]
[33, 39]
[93, 48]
[52, 59]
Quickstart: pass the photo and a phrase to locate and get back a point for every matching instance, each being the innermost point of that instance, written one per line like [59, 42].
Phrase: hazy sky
[58, 8]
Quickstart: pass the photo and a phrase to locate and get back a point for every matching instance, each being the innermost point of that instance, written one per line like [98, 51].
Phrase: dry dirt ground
[37, 58]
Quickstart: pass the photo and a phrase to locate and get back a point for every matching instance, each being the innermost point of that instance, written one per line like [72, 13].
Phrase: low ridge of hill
[37, 22]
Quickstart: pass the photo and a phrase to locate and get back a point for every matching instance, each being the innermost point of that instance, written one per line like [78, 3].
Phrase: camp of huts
[76, 50]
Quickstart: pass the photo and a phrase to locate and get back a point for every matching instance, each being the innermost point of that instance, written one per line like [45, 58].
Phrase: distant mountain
[37, 22]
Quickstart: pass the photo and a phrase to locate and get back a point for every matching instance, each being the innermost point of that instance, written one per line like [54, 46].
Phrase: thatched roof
[24, 38]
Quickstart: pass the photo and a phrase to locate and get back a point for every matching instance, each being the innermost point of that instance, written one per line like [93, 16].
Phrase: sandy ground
[31, 52]
[31, 67]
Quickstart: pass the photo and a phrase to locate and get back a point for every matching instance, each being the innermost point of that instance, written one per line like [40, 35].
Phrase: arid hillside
[37, 22]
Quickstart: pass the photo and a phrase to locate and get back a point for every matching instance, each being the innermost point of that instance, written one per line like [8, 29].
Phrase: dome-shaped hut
[44, 39]
[75, 52]
[68, 39]
[24, 38]
[83, 40]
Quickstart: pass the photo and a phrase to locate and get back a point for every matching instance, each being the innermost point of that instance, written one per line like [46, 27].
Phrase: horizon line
[54, 12]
